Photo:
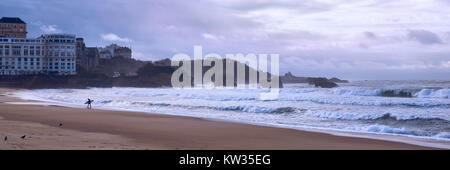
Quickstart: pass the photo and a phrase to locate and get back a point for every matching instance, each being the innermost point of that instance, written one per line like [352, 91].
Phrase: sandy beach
[57, 127]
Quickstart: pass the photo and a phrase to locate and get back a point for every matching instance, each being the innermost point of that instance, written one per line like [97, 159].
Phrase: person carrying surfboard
[88, 102]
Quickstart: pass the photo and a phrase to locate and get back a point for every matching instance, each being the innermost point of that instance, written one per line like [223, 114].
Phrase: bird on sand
[23, 137]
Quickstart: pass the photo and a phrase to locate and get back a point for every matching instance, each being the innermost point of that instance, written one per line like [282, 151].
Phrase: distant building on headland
[13, 27]
[114, 50]
[87, 57]
[48, 54]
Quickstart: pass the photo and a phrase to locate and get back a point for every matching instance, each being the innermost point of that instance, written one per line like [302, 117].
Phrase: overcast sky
[352, 39]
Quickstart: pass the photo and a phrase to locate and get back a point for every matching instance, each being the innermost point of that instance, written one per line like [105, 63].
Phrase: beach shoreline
[110, 129]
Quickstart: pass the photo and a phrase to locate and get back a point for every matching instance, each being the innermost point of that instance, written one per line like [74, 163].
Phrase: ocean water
[411, 108]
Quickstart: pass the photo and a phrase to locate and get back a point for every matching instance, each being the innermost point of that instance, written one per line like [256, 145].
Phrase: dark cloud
[424, 36]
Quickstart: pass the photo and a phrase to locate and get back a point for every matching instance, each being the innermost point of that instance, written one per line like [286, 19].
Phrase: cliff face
[321, 82]
[289, 78]
[336, 80]
[235, 71]
[146, 74]
[316, 81]
[122, 65]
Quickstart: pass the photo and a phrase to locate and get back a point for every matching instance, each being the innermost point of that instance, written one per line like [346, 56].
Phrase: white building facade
[48, 54]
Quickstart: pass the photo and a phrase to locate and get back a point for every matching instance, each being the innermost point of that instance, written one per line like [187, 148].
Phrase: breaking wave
[358, 116]
[377, 128]
[419, 93]
[248, 109]
[388, 123]
[445, 135]
[433, 93]
[253, 109]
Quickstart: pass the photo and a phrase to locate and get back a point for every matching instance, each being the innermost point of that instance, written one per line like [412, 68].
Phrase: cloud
[212, 36]
[345, 38]
[114, 37]
[50, 29]
[445, 64]
[209, 36]
[424, 37]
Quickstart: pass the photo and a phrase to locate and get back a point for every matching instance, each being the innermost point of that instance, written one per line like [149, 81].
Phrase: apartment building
[12, 27]
[48, 54]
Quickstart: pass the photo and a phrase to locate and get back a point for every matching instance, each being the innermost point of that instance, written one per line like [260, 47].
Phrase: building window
[16, 50]
[38, 50]
[32, 50]
[25, 50]
[7, 50]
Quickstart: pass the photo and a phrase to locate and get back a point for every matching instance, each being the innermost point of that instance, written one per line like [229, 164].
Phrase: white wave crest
[445, 135]
[386, 129]
[433, 93]
[357, 92]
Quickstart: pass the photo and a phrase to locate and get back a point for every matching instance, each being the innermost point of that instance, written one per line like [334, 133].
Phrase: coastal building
[122, 52]
[87, 57]
[80, 48]
[114, 50]
[48, 54]
[105, 54]
[12, 27]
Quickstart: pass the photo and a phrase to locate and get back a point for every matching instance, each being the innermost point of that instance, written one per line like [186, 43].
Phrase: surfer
[88, 102]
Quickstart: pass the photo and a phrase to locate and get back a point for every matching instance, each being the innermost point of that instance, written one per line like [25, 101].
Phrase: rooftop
[13, 20]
